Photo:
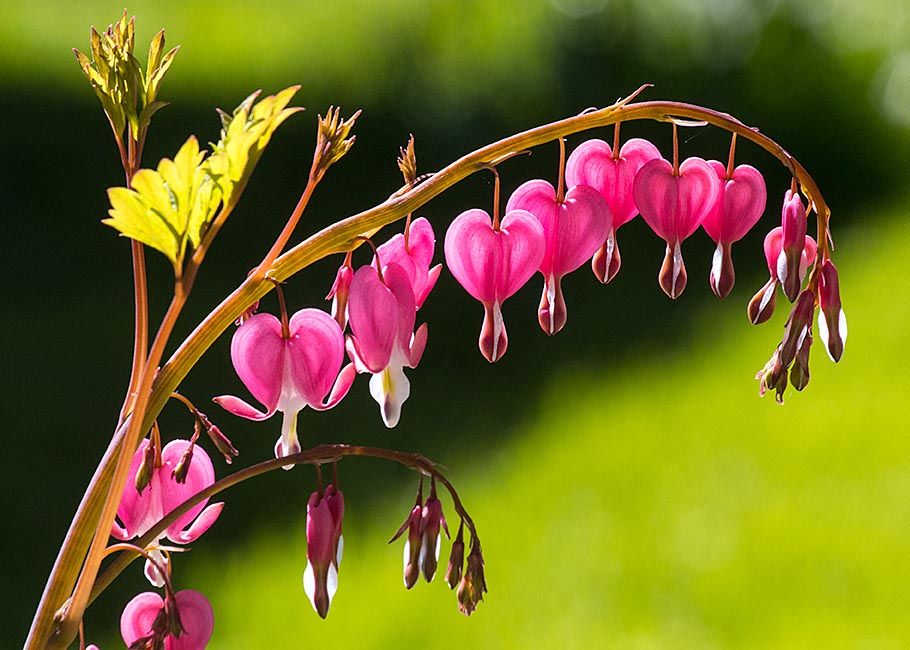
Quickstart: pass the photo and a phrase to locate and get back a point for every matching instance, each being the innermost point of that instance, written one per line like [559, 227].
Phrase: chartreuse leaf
[168, 208]
[244, 135]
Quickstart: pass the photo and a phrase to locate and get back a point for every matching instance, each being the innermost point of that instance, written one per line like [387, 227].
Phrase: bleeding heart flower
[149, 618]
[138, 512]
[832, 323]
[288, 371]
[789, 261]
[382, 314]
[674, 205]
[761, 307]
[612, 174]
[492, 264]
[414, 257]
[739, 205]
[324, 547]
[573, 231]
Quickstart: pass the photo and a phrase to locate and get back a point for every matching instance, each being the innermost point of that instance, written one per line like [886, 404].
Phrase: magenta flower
[325, 545]
[382, 314]
[832, 323]
[492, 262]
[150, 619]
[739, 205]
[414, 256]
[573, 228]
[289, 370]
[138, 512]
[611, 173]
[674, 203]
[421, 548]
[761, 307]
[340, 292]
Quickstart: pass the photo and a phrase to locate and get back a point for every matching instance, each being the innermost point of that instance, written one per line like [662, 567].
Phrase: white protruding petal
[151, 571]
[309, 584]
[390, 388]
[406, 557]
[497, 328]
[288, 443]
[717, 263]
[826, 334]
[331, 583]
[340, 551]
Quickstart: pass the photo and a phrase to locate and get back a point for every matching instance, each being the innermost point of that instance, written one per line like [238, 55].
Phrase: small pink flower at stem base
[595, 164]
[493, 264]
[832, 323]
[674, 205]
[147, 621]
[139, 512]
[289, 374]
[325, 546]
[382, 315]
[573, 231]
[739, 205]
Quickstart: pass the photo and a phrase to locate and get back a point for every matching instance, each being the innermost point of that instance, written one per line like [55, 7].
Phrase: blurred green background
[630, 488]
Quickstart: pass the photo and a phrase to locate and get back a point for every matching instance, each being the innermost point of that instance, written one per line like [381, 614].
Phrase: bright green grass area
[659, 504]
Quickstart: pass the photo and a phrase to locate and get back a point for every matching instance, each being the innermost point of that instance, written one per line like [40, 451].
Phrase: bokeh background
[631, 489]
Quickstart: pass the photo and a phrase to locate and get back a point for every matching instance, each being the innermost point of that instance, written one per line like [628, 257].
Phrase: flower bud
[340, 291]
[773, 376]
[832, 323]
[793, 223]
[672, 275]
[146, 468]
[799, 373]
[797, 327]
[221, 441]
[431, 520]
[324, 547]
[473, 585]
[412, 545]
[761, 307]
[183, 465]
[456, 559]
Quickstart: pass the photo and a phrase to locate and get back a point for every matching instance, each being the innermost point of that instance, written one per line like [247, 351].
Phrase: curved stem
[316, 456]
[154, 390]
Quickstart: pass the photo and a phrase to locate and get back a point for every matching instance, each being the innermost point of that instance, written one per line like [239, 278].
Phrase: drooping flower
[739, 205]
[492, 262]
[289, 370]
[184, 623]
[761, 307]
[382, 313]
[138, 512]
[674, 202]
[413, 254]
[325, 545]
[340, 292]
[574, 229]
[832, 323]
[611, 173]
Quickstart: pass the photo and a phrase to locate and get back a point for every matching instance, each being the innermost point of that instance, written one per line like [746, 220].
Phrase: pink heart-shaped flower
[573, 231]
[492, 264]
[674, 205]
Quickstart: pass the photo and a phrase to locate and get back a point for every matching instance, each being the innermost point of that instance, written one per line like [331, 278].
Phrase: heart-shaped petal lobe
[675, 205]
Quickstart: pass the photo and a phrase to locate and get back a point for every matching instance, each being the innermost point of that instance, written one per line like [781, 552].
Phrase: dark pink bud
[761, 307]
[672, 276]
[412, 545]
[222, 442]
[799, 373]
[431, 522]
[456, 559]
[773, 377]
[473, 585]
[606, 260]
[793, 224]
[339, 293]
[797, 327]
[722, 274]
[832, 323]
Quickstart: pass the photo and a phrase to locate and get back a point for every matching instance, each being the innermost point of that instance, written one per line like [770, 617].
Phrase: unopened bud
[431, 522]
[456, 559]
[797, 327]
[221, 441]
[832, 323]
[773, 376]
[412, 545]
[606, 260]
[672, 275]
[793, 239]
[761, 307]
[183, 465]
[146, 468]
[473, 585]
[799, 374]
[339, 293]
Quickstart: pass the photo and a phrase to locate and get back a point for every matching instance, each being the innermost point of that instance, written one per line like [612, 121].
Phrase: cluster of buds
[790, 253]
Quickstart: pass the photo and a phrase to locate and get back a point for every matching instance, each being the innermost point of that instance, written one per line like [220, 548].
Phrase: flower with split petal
[288, 369]
[793, 234]
[138, 512]
[149, 621]
[761, 307]
[325, 545]
[492, 261]
[413, 254]
[612, 173]
[574, 229]
[674, 202]
[382, 313]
